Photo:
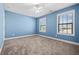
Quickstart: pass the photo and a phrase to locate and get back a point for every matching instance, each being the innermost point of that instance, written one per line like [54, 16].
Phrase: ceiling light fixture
[38, 8]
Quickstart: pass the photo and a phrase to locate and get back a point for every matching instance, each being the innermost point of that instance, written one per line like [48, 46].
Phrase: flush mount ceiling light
[38, 8]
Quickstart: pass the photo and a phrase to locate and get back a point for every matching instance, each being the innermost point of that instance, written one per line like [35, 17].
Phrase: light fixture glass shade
[38, 9]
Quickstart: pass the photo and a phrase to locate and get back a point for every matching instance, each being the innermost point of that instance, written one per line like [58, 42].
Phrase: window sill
[66, 34]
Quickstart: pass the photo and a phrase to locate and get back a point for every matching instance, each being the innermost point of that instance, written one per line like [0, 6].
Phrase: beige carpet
[36, 45]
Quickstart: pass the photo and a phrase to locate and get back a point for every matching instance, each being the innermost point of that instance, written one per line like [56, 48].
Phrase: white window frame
[73, 11]
[40, 24]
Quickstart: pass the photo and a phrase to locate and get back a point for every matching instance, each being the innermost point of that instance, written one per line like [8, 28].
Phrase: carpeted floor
[36, 45]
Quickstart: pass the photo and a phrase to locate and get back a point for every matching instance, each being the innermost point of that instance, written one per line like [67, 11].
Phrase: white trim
[74, 43]
[73, 22]
[0, 50]
[20, 36]
[3, 29]
[70, 42]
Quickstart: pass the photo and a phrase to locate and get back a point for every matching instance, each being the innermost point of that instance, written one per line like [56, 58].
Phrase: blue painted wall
[52, 22]
[18, 25]
[1, 23]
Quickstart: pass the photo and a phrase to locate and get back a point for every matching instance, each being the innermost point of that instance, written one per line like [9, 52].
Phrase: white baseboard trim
[74, 43]
[45, 37]
[20, 36]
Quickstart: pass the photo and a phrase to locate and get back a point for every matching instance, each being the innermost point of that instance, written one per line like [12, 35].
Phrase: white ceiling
[29, 9]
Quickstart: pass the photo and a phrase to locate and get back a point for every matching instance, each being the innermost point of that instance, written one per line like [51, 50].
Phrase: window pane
[64, 29]
[65, 19]
[64, 26]
[60, 29]
[70, 18]
[43, 21]
[69, 25]
[69, 31]
[42, 28]
[60, 20]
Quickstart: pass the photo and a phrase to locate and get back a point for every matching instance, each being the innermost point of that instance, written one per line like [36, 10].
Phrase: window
[66, 23]
[42, 24]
